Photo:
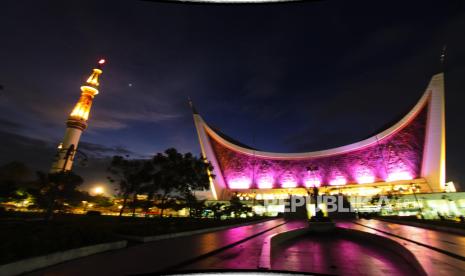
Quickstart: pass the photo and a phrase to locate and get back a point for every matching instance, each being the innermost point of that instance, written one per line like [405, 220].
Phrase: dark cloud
[6, 124]
[99, 151]
[36, 153]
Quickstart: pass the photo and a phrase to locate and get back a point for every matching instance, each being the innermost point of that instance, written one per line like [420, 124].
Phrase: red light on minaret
[101, 61]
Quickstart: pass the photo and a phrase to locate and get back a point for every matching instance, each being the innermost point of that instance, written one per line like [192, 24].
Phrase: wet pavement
[243, 256]
[325, 254]
[432, 261]
[157, 255]
[240, 248]
[339, 255]
[441, 240]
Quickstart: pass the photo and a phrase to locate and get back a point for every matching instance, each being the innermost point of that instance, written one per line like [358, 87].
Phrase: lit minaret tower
[77, 122]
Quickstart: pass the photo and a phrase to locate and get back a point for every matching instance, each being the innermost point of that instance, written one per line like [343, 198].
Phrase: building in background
[407, 158]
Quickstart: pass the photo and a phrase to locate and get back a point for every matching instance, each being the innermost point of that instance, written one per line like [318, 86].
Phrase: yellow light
[98, 190]
[82, 108]
[93, 79]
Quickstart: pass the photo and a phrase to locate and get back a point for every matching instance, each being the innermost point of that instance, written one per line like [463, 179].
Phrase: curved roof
[239, 147]
[411, 148]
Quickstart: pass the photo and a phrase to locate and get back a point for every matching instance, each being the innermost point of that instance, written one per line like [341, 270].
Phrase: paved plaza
[240, 248]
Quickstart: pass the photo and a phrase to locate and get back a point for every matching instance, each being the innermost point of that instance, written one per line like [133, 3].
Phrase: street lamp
[98, 190]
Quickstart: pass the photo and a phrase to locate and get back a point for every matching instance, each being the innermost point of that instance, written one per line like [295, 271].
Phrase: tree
[130, 176]
[8, 190]
[167, 203]
[164, 178]
[101, 201]
[217, 208]
[236, 206]
[13, 177]
[178, 173]
[196, 206]
[77, 198]
[53, 189]
[196, 173]
[16, 171]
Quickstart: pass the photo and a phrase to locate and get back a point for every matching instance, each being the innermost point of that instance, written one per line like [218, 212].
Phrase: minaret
[77, 122]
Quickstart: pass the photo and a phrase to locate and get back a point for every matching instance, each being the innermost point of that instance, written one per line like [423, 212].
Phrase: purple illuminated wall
[395, 157]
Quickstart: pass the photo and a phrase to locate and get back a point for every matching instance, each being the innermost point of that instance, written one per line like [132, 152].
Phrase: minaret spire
[77, 121]
[194, 111]
[443, 57]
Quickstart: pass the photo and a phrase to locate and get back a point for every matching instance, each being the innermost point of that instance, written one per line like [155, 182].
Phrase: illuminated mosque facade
[407, 157]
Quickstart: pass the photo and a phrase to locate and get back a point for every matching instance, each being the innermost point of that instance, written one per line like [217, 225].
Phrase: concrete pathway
[338, 255]
[243, 256]
[432, 261]
[302, 255]
[158, 255]
[326, 254]
[451, 243]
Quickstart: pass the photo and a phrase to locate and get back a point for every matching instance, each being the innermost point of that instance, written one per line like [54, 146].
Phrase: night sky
[281, 77]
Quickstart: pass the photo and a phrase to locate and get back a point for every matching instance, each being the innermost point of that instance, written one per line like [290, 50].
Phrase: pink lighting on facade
[239, 183]
[364, 175]
[312, 183]
[265, 182]
[402, 151]
[399, 175]
[364, 179]
[338, 181]
[288, 180]
[289, 183]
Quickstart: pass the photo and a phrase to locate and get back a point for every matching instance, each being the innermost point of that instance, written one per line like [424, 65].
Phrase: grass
[22, 238]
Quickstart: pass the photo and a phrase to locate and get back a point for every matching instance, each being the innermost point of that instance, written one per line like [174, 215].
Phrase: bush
[93, 213]
[30, 239]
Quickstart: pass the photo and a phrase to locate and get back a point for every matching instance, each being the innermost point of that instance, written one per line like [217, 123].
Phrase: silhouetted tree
[130, 176]
[218, 209]
[164, 177]
[178, 173]
[16, 171]
[196, 206]
[237, 207]
[101, 201]
[13, 177]
[53, 189]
